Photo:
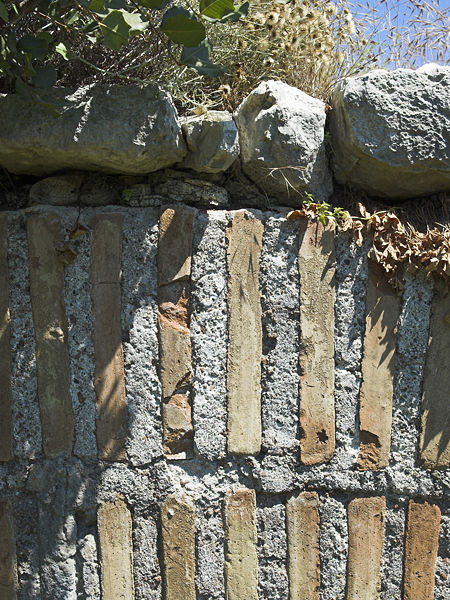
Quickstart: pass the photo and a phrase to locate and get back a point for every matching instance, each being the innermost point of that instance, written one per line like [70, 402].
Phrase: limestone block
[391, 132]
[281, 135]
[212, 141]
[113, 129]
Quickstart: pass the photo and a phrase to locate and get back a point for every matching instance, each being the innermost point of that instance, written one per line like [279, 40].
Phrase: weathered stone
[115, 129]
[241, 561]
[174, 272]
[365, 548]
[116, 550]
[435, 434]
[303, 524]
[317, 270]
[6, 438]
[50, 327]
[60, 190]
[212, 141]
[281, 135]
[421, 546]
[245, 335]
[375, 411]
[391, 132]
[178, 546]
[8, 574]
[109, 380]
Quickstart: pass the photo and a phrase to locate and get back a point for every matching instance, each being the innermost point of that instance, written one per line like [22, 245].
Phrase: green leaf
[156, 4]
[135, 21]
[216, 9]
[62, 49]
[181, 27]
[45, 77]
[37, 47]
[3, 12]
[97, 5]
[240, 11]
[115, 30]
[198, 58]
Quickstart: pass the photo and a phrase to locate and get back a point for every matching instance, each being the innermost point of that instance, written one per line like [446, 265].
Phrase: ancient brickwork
[216, 405]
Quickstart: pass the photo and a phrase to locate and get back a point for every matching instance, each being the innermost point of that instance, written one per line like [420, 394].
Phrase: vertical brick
[421, 547]
[434, 450]
[178, 545]
[109, 382]
[365, 547]
[375, 412]
[50, 327]
[8, 574]
[174, 290]
[116, 550]
[303, 523]
[241, 561]
[317, 270]
[6, 439]
[245, 335]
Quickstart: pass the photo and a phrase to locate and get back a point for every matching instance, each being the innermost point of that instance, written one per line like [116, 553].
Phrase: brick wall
[216, 404]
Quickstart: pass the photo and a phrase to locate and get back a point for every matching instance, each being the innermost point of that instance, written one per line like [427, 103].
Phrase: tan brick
[241, 562]
[178, 543]
[365, 548]
[375, 413]
[6, 440]
[174, 272]
[421, 547]
[303, 523]
[8, 573]
[109, 382]
[317, 268]
[434, 451]
[245, 335]
[50, 327]
[116, 550]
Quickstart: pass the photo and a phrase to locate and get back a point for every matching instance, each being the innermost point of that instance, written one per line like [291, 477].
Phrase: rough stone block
[212, 141]
[375, 412]
[50, 327]
[178, 546]
[434, 451]
[116, 550]
[109, 380]
[391, 132]
[92, 133]
[317, 271]
[245, 334]
[241, 560]
[365, 548]
[6, 438]
[421, 547]
[303, 524]
[281, 134]
[8, 572]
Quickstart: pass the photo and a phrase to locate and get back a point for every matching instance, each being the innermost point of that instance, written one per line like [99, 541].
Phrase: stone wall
[202, 398]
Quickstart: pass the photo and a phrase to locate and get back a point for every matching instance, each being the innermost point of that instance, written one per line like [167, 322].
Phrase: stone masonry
[216, 404]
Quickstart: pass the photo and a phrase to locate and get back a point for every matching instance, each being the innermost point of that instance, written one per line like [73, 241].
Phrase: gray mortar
[272, 548]
[392, 565]
[27, 547]
[442, 578]
[146, 568]
[140, 332]
[88, 572]
[77, 296]
[333, 548]
[209, 330]
[279, 283]
[25, 407]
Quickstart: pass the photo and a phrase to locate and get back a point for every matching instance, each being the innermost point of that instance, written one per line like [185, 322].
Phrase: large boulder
[212, 141]
[390, 132]
[281, 135]
[112, 129]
